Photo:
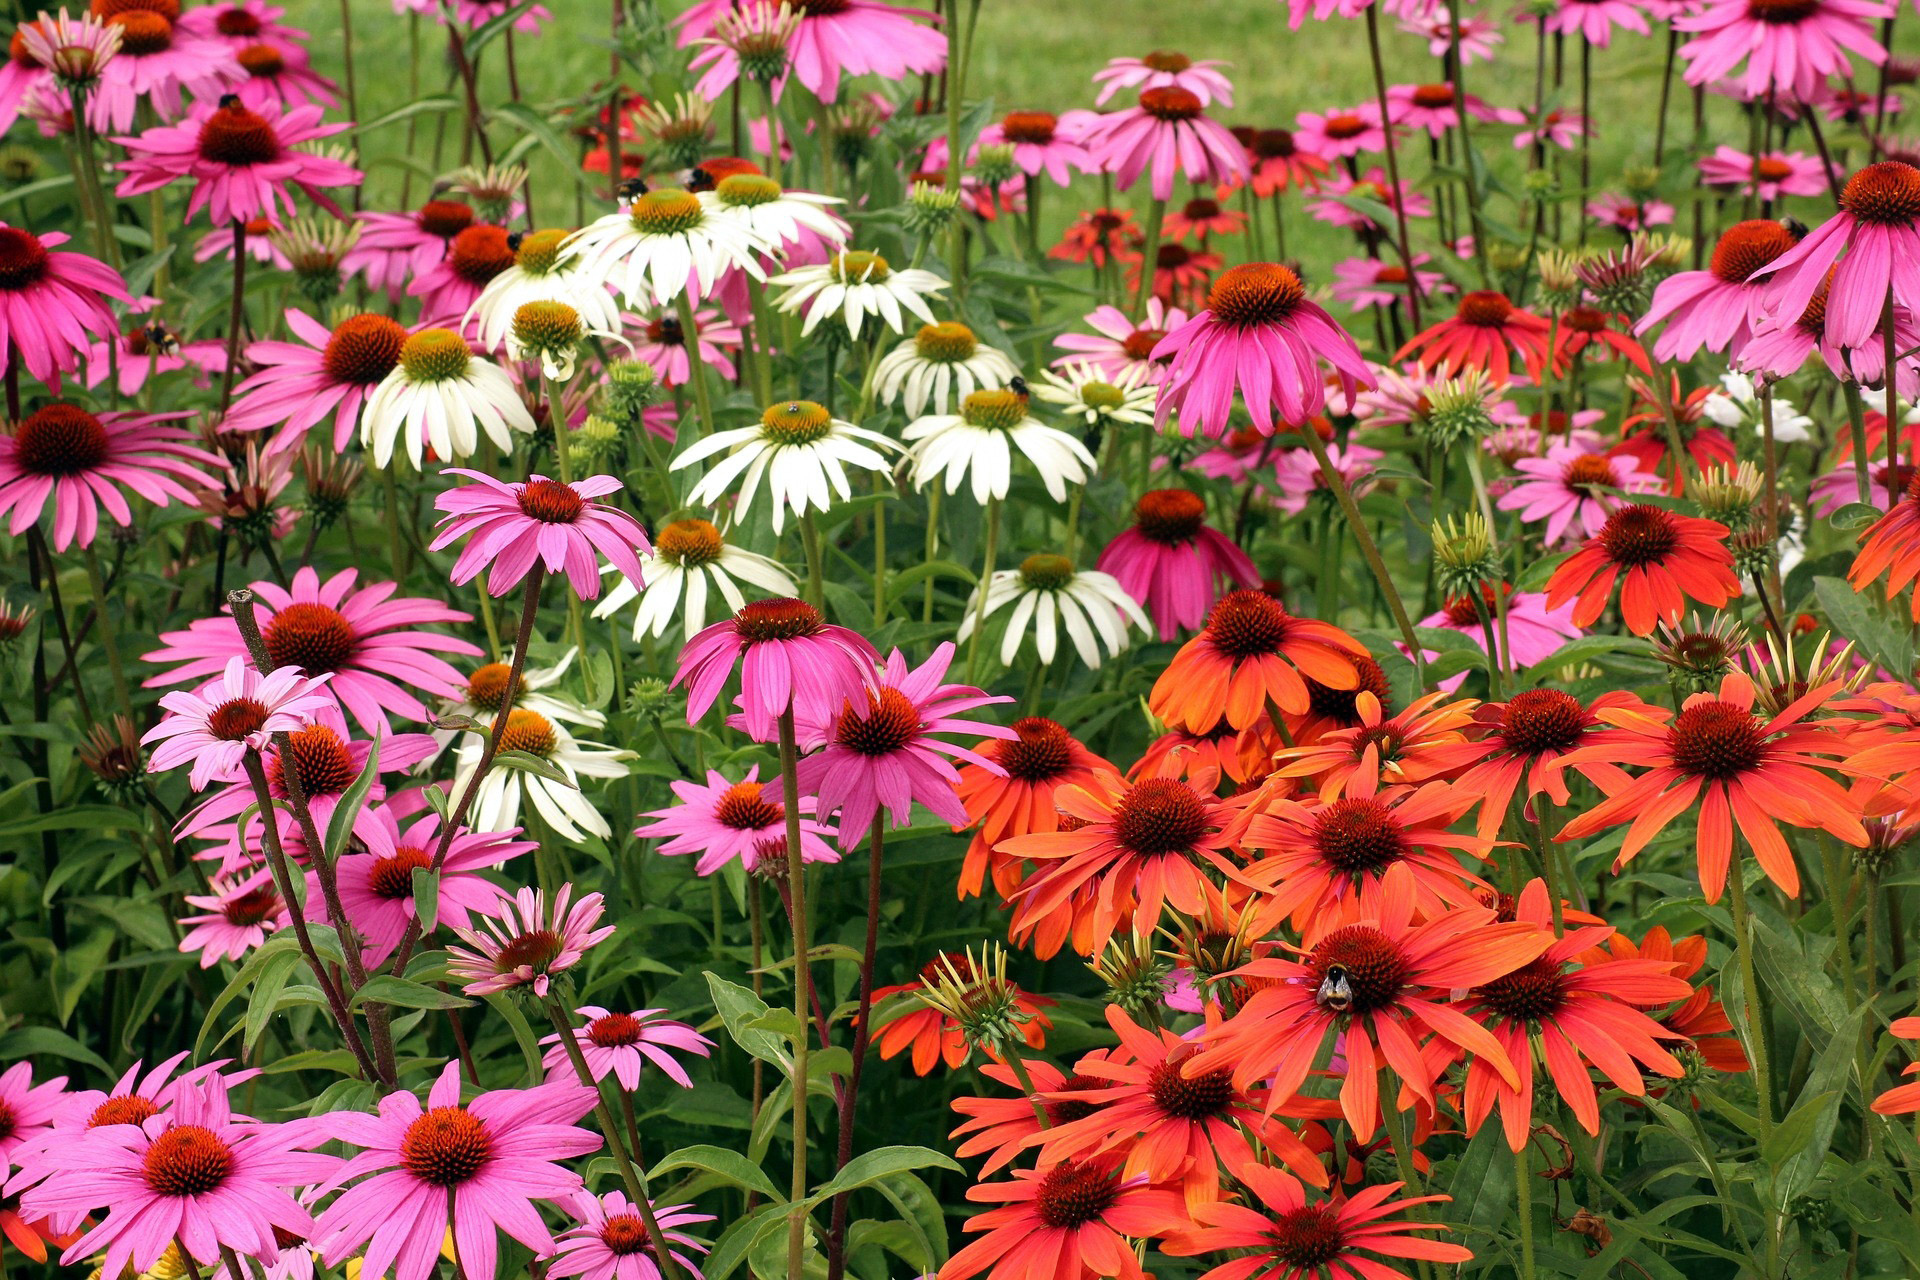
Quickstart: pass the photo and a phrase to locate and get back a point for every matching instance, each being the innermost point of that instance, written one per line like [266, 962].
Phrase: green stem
[109, 639]
[1856, 418]
[797, 884]
[697, 368]
[1357, 525]
[1523, 1193]
[932, 548]
[1150, 247]
[1750, 994]
[816, 581]
[986, 576]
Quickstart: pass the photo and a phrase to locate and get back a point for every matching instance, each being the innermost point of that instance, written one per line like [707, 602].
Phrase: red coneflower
[1478, 336]
[1667, 559]
[1038, 761]
[1239, 755]
[1891, 545]
[1427, 740]
[1594, 334]
[933, 1036]
[1065, 1222]
[1525, 738]
[1001, 1126]
[1902, 1099]
[1746, 772]
[1699, 1017]
[1644, 435]
[1251, 652]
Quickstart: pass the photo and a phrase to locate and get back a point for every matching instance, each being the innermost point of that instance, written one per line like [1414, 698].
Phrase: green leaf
[921, 1213]
[27, 1041]
[541, 130]
[491, 29]
[738, 1009]
[262, 1000]
[1821, 1096]
[384, 988]
[352, 800]
[78, 817]
[1855, 515]
[870, 1166]
[522, 1032]
[1868, 622]
[527, 762]
[419, 106]
[731, 1249]
[426, 897]
[731, 1165]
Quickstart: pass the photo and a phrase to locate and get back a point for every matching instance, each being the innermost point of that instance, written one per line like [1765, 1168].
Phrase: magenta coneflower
[1165, 69]
[158, 63]
[841, 38]
[1790, 46]
[218, 724]
[396, 247]
[1259, 335]
[663, 346]
[1574, 489]
[197, 1175]
[888, 753]
[52, 305]
[235, 917]
[149, 348]
[1716, 308]
[1298, 476]
[326, 372]
[331, 627]
[376, 887]
[474, 1167]
[22, 76]
[79, 460]
[520, 943]
[1534, 632]
[1878, 231]
[790, 660]
[280, 75]
[514, 525]
[1369, 282]
[724, 820]
[1040, 145]
[448, 288]
[1117, 345]
[241, 161]
[624, 1044]
[611, 1240]
[1172, 563]
[256, 241]
[1169, 130]
[1775, 174]
[1432, 107]
[1341, 133]
[239, 23]
[1561, 128]
[1625, 214]
[1370, 185]
[1593, 21]
[29, 1109]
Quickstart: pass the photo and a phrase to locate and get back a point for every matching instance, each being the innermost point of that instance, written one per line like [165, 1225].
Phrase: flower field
[737, 640]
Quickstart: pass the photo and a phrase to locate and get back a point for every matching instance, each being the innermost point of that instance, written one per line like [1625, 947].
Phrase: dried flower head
[112, 753]
[331, 479]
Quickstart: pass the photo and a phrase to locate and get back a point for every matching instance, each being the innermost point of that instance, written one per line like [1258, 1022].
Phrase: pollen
[614, 1030]
[689, 543]
[252, 908]
[539, 252]
[1307, 1239]
[1255, 294]
[1433, 96]
[529, 731]
[1358, 835]
[1140, 343]
[1362, 961]
[1046, 572]
[546, 326]
[487, 686]
[480, 253]
[446, 1147]
[797, 422]
[1590, 471]
[533, 950]
[444, 218]
[624, 1234]
[1073, 1194]
[263, 60]
[1036, 127]
[1200, 1097]
[126, 1108]
[186, 1160]
[945, 343]
[143, 32]
[666, 211]
[994, 410]
[1532, 993]
[858, 266]
[1168, 60]
[435, 355]
[235, 21]
[60, 440]
[1247, 624]
[748, 190]
[310, 636]
[363, 349]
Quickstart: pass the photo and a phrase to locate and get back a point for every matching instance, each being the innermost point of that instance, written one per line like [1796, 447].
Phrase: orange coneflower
[1594, 335]
[1251, 652]
[1665, 558]
[1318, 855]
[1427, 740]
[1286, 1236]
[1142, 846]
[1525, 738]
[1240, 755]
[1000, 1127]
[1382, 983]
[1700, 1018]
[1902, 1098]
[1042, 759]
[1329, 708]
[1644, 436]
[1478, 336]
[1065, 1222]
[1744, 771]
[1578, 1016]
[1172, 1127]
[934, 1035]
[1891, 545]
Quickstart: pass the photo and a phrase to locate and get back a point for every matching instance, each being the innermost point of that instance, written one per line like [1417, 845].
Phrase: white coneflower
[1086, 392]
[857, 284]
[689, 557]
[941, 360]
[980, 439]
[1048, 593]
[779, 216]
[542, 271]
[666, 242]
[496, 806]
[487, 688]
[440, 394]
[800, 450]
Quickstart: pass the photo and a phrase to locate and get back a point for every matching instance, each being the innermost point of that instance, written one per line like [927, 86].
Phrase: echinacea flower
[513, 526]
[157, 63]
[1660, 559]
[1117, 344]
[1049, 594]
[1169, 132]
[1368, 282]
[798, 449]
[854, 284]
[847, 38]
[1173, 563]
[1299, 478]
[1341, 134]
[236, 915]
[979, 441]
[558, 801]
[30, 1109]
[440, 395]
[1262, 336]
[1871, 246]
[1790, 46]
[297, 385]
[1000, 1126]
[396, 247]
[1428, 738]
[622, 1045]
[473, 1167]
[542, 269]
[1746, 770]
[447, 289]
[941, 362]
[792, 222]
[522, 941]
[666, 243]
[1165, 69]
[688, 559]
[1773, 175]
[670, 351]
[1099, 399]
[1529, 633]
[364, 637]
[723, 821]
[241, 161]
[1062, 1223]
[1277, 160]
[1039, 145]
[791, 663]
[1574, 490]
[1902, 1099]
[1251, 652]
[53, 305]
[237, 712]
[1015, 797]
[611, 1241]
[1478, 336]
[79, 462]
[1717, 308]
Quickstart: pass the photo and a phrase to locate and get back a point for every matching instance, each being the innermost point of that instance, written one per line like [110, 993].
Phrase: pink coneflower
[1624, 214]
[448, 289]
[843, 38]
[790, 660]
[887, 754]
[1432, 107]
[376, 887]
[664, 346]
[29, 1109]
[1479, 37]
[215, 726]
[1172, 563]
[1170, 131]
[623, 1044]
[241, 161]
[240, 23]
[326, 372]
[520, 943]
[1342, 133]
[1878, 231]
[474, 14]
[280, 75]
[611, 1241]
[475, 1168]
[79, 460]
[158, 63]
[1843, 105]
[1259, 335]
[1716, 308]
[150, 348]
[331, 627]
[724, 820]
[1117, 345]
[1790, 46]
[1775, 174]
[1200, 219]
[20, 76]
[234, 918]
[557, 524]
[1371, 185]
[1368, 282]
[1165, 69]
[1574, 489]
[197, 1175]
[1534, 632]
[1561, 128]
[52, 305]
[1778, 348]
[1040, 145]
[396, 247]
[1299, 477]
[1593, 21]
[256, 241]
